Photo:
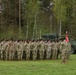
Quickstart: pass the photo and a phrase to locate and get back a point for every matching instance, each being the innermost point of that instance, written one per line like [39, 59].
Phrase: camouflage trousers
[54, 54]
[64, 57]
[19, 54]
[34, 54]
[28, 55]
[11, 55]
[6, 55]
[48, 54]
[68, 55]
[1, 54]
[41, 54]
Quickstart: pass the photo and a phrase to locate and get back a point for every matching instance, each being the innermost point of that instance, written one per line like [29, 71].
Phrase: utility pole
[19, 18]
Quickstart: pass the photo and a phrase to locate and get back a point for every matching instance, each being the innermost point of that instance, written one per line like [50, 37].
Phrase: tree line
[25, 19]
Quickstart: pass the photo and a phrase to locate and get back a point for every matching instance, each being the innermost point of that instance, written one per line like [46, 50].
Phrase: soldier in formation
[26, 49]
[48, 49]
[65, 48]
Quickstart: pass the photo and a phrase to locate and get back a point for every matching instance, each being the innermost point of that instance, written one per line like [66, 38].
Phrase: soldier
[11, 47]
[60, 46]
[53, 49]
[7, 50]
[56, 52]
[15, 50]
[25, 48]
[2, 49]
[20, 50]
[68, 49]
[31, 42]
[41, 49]
[64, 54]
[28, 50]
[38, 47]
[35, 45]
[48, 49]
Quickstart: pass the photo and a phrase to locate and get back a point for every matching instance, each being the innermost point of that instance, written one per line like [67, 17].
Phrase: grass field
[41, 67]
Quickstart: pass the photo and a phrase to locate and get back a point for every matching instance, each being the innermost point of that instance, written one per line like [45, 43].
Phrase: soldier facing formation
[34, 49]
[65, 48]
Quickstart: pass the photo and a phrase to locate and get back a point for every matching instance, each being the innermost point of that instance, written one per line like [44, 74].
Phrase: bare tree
[19, 18]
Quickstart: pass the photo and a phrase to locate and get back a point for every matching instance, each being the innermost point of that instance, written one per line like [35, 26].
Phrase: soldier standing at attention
[11, 47]
[48, 50]
[7, 50]
[60, 46]
[25, 48]
[64, 54]
[28, 50]
[34, 52]
[16, 48]
[20, 49]
[2, 49]
[56, 52]
[41, 49]
[53, 49]
[68, 50]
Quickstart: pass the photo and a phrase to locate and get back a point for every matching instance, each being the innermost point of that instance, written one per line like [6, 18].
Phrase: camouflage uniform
[25, 49]
[41, 49]
[53, 50]
[68, 49]
[15, 50]
[34, 50]
[60, 50]
[7, 51]
[3, 46]
[11, 50]
[1, 50]
[20, 50]
[64, 54]
[48, 50]
[28, 51]
[56, 52]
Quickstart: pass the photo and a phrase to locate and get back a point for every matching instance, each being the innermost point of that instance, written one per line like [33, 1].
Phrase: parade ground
[38, 67]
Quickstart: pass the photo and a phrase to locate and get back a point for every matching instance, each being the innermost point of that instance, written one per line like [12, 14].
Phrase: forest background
[29, 19]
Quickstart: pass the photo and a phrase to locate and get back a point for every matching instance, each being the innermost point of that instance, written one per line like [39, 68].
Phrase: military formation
[34, 50]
